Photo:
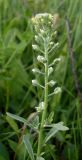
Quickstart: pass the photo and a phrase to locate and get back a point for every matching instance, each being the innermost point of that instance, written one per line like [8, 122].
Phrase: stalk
[7, 97]
[43, 25]
[40, 138]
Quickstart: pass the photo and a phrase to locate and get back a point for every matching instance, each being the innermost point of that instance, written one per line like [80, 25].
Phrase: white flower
[35, 47]
[50, 16]
[42, 31]
[55, 61]
[57, 90]
[40, 108]
[36, 38]
[41, 105]
[50, 70]
[41, 59]
[34, 70]
[51, 83]
[51, 43]
[40, 15]
[34, 82]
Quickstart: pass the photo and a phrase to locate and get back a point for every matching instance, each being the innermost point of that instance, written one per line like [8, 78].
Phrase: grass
[16, 92]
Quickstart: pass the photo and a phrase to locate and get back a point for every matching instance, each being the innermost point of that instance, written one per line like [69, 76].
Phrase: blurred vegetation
[16, 61]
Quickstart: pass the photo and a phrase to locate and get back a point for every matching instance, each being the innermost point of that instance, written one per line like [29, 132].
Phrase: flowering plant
[44, 45]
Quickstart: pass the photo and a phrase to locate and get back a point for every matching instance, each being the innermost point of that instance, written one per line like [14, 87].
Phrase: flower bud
[42, 31]
[41, 107]
[34, 70]
[36, 38]
[42, 15]
[34, 82]
[35, 47]
[50, 17]
[41, 59]
[55, 61]
[42, 20]
[57, 44]
[57, 90]
[51, 43]
[52, 83]
[50, 70]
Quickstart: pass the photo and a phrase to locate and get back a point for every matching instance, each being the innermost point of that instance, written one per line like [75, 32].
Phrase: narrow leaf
[12, 144]
[20, 119]
[55, 128]
[28, 146]
[12, 123]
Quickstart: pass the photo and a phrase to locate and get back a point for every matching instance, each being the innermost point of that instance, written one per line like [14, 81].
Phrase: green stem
[7, 97]
[40, 138]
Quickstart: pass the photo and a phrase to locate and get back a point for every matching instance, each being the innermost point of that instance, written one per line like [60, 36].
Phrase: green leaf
[20, 119]
[12, 123]
[21, 152]
[21, 46]
[35, 122]
[55, 128]
[13, 145]
[2, 158]
[4, 155]
[50, 118]
[28, 146]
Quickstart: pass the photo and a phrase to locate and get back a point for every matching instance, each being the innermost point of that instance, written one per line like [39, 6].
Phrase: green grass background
[18, 96]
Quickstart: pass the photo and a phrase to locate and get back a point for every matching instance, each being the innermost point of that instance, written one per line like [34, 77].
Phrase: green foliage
[17, 95]
[3, 152]
[55, 128]
[28, 147]
[12, 123]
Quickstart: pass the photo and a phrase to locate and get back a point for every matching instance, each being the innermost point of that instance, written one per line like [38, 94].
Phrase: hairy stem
[40, 138]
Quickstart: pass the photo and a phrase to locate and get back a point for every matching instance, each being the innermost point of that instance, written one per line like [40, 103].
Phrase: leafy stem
[43, 24]
[40, 138]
